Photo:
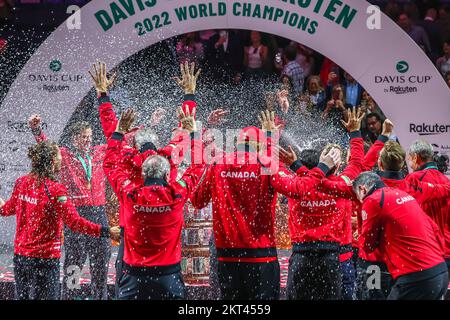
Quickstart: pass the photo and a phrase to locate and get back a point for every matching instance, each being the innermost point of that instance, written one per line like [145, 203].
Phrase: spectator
[374, 127]
[443, 22]
[255, 56]
[443, 63]
[293, 70]
[353, 90]
[336, 106]
[392, 10]
[190, 49]
[417, 33]
[369, 106]
[431, 28]
[329, 73]
[315, 94]
[447, 78]
[6, 9]
[224, 55]
[304, 58]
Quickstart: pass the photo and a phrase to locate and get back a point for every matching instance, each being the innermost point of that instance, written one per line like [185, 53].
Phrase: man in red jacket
[317, 227]
[82, 175]
[243, 198]
[42, 206]
[153, 219]
[405, 236]
[141, 142]
[420, 159]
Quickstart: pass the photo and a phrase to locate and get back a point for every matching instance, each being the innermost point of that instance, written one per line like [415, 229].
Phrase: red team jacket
[132, 159]
[153, 213]
[73, 176]
[41, 209]
[320, 217]
[438, 210]
[243, 201]
[406, 237]
[424, 193]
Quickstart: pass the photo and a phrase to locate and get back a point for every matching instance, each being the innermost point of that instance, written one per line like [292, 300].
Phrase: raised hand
[332, 158]
[157, 116]
[187, 119]
[283, 101]
[288, 157]
[101, 81]
[188, 81]
[267, 120]
[34, 122]
[126, 120]
[354, 120]
[388, 128]
[217, 117]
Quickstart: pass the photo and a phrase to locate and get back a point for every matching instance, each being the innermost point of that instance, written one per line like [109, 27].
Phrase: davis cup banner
[384, 60]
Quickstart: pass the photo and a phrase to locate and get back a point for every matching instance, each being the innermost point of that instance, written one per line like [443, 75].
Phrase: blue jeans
[36, 279]
[348, 280]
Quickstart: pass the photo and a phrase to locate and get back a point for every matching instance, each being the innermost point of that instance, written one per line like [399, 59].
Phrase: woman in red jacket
[41, 206]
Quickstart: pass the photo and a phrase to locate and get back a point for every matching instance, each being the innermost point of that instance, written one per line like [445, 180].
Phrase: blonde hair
[392, 156]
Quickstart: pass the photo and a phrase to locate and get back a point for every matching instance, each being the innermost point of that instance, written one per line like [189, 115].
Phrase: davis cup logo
[55, 65]
[402, 67]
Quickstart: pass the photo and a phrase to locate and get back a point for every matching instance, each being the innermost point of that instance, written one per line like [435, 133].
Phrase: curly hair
[42, 156]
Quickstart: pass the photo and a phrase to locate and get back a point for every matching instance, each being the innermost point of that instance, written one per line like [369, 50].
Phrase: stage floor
[194, 291]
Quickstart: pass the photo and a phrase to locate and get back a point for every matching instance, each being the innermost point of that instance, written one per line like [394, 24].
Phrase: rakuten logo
[429, 129]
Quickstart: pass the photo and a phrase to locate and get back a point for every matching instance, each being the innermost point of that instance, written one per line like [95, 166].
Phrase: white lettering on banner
[403, 200]
[74, 21]
[28, 199]
[238, 175]
[374, 20]
[312, 204]
[148, 209]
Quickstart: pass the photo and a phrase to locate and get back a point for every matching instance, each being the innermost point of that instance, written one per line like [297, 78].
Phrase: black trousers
[78, 247]
[415, 287]
[249, 281]
[36, 279]
[314, 275]
[374, 282]
[151, 287]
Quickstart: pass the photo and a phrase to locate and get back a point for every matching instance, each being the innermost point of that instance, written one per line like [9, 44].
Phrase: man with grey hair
[153, 217]
[420, 159]
[407, 239]
[141, 143]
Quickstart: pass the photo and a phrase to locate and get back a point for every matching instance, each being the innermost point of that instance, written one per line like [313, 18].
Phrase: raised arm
[188, 82]
[34, 123]
[102, 85]
[371, 158]
[117, 175]
[295, 187]
[353, 126]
